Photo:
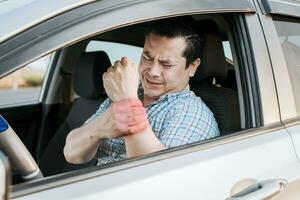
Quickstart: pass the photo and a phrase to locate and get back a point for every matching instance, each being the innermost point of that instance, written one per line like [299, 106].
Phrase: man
[164, 113]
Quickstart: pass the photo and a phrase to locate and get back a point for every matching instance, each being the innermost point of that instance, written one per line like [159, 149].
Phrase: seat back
[87, 82]
[222, 101]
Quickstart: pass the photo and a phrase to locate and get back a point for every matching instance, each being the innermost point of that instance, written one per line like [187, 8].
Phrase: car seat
[87, 83]
[222, 101]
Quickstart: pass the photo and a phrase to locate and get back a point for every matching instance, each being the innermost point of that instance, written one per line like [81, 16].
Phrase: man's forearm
[82, 143]
[142, 143]
[141, 140]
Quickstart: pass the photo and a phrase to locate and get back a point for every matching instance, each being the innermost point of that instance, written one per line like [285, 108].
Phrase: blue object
[3, 124]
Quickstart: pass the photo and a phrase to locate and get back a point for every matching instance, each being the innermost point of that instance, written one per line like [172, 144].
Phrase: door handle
[261, 190]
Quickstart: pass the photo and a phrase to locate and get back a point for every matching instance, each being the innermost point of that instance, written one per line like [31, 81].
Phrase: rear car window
[289, 36]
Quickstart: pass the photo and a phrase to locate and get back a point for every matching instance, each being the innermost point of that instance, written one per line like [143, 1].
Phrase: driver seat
[87, 83]
[222, 101]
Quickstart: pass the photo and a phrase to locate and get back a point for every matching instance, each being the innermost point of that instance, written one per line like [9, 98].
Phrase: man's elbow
[72, 158]
[68, 156]
[70, 153]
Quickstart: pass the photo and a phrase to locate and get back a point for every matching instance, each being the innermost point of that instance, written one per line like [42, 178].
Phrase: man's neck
[147, 100]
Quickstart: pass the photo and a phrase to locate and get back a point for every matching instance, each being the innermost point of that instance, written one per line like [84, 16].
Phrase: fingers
[109, 70]
[125, 61]
[130, 119]
[140, 127]
[117, 64]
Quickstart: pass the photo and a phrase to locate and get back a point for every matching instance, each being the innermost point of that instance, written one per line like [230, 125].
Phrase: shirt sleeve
[103, 107]
[188, 122]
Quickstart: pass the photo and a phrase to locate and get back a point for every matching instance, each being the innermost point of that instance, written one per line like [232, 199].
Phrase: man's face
[163, 67]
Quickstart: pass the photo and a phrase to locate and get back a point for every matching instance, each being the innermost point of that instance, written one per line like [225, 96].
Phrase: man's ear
[193, 67]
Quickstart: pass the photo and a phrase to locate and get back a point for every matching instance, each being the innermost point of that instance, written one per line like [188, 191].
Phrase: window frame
[91, 19]
[280, 69]
[281, 7]
[84, 174]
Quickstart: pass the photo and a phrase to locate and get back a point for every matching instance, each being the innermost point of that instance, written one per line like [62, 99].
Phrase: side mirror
[5, 177]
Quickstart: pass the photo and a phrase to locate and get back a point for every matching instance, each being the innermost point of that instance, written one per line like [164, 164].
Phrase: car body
[263, 153]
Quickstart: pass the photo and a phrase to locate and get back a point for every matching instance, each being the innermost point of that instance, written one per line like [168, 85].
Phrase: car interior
[75, 90]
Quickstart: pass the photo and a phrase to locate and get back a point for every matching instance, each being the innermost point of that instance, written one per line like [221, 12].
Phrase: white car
[250, 79]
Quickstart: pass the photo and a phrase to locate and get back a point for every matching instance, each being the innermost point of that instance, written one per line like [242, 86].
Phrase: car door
[282, 20]
[261, 155]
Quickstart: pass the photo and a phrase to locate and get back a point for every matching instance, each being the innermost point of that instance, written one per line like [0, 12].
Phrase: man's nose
[155, 70]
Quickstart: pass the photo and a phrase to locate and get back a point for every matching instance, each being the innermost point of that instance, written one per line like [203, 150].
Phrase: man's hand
[121, 80]
[124, 117]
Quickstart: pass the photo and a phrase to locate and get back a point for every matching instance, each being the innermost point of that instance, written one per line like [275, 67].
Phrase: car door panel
[294, 131]
[194, 175]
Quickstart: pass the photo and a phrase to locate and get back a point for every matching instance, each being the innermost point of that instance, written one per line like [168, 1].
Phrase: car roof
[19, 15]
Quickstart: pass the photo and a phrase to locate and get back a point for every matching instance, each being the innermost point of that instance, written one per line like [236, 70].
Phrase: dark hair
[179, 27]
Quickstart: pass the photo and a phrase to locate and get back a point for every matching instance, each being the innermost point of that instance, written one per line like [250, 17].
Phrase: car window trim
[282, 7]
[57, 7]
[291, 122]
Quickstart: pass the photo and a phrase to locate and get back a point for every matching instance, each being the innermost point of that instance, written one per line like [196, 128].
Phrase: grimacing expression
[163, 67]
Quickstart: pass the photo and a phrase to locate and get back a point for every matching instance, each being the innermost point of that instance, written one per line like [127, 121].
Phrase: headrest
[213, 63]
[87, 74]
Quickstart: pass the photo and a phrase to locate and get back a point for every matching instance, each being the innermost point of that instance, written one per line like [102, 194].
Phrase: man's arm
[121, 83]
[187, 122]
[82, 143]
[142, 143]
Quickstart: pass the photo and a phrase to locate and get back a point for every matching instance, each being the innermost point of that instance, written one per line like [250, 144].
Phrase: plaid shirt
[176, 119]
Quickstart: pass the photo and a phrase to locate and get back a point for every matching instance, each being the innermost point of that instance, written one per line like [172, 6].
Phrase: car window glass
[227, 50]
[289, 36]
[24, 85]
[115, 51]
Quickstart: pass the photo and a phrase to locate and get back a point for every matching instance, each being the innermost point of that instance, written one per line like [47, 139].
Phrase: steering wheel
[20, 157]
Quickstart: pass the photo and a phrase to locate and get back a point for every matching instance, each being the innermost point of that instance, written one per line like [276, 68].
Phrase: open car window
[221, 93]
[220, 90]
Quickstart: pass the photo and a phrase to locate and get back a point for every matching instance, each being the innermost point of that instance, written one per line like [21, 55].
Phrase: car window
[115, 51]
[289, 36]
[227, 50]
[24, 85]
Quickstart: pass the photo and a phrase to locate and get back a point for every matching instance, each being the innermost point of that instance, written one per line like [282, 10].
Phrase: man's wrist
[127, 97]
[133, 107]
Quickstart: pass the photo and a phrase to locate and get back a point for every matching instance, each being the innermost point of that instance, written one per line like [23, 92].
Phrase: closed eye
[167, 66]
[146, 58]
